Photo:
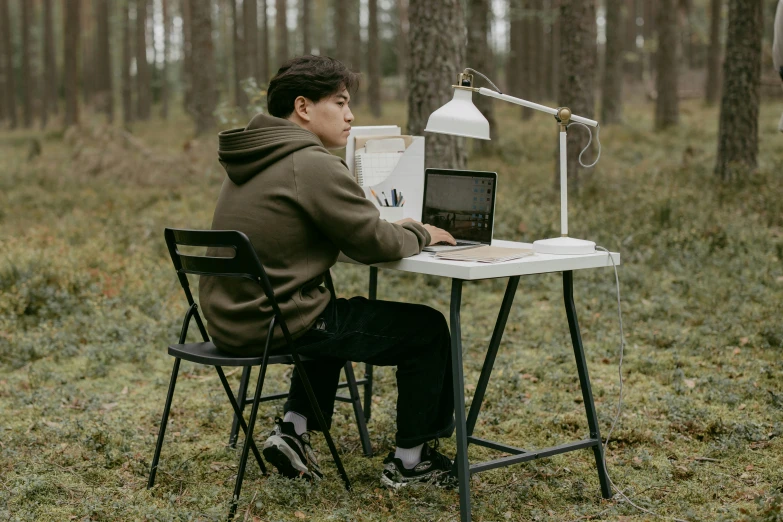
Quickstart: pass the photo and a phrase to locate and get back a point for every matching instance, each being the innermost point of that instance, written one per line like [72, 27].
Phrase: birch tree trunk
[142, 65]
[250, 37]
[164, 79]
[437, 51]
[738, 135]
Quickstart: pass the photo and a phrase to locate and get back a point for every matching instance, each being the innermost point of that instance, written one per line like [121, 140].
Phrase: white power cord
[597, 141]
[620, 492]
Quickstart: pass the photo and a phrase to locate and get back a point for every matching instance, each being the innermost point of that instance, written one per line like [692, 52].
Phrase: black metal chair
[244, 264]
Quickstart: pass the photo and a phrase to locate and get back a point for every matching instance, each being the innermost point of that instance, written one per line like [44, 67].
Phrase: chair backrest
[244, 264]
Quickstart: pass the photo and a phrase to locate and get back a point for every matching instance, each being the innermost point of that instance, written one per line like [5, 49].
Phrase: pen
[376, 197]
[384, 198]
[400, 199]
[394, 197]
[402, 203]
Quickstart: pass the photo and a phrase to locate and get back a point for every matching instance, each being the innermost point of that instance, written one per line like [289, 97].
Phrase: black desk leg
[462, 465]
[373, 293]
[489, 360]
[584, 380]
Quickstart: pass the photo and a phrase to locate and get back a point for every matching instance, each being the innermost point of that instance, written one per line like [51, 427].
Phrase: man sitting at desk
[300, 207]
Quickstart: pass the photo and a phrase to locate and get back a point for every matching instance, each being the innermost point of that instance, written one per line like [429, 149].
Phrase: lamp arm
[534, 106]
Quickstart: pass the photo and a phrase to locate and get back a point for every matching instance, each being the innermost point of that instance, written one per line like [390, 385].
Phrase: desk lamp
[460, 117]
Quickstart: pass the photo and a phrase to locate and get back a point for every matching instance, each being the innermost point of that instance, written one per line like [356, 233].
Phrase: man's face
[330, 119]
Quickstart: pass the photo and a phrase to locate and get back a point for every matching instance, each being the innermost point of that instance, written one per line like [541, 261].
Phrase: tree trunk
[577, 77]
[555, 49]
[263, 52]
[27, 82]
[250, 22]
[356, 49]
[630, 64]
[374, 60]
[649, 31]
[437, 51]
[8, 61]
[528, 69]
[612, 89]
[104, 87]
[71, 62]
[516, 50]
[87, 37]
[307, 45]
[479, 57]
[240, 99]
[50, 59]
[3, 108]
[667, 104]
[164, 74]
[204, 93]
[402, 49]
[281, 32]
[142, 65]
[712, 87]
[127, 57]
[739, 110]
[341, 19]
[187, 52]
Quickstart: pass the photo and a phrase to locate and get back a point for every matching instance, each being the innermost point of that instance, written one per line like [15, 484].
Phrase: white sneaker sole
[285, 459]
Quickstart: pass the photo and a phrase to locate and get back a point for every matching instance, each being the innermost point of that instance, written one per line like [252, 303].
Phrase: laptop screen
[460, 202]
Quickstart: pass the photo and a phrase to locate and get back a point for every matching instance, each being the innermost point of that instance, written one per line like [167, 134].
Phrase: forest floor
[89, 302]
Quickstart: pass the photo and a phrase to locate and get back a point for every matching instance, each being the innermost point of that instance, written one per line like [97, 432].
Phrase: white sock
[300, 421]
[409, 456]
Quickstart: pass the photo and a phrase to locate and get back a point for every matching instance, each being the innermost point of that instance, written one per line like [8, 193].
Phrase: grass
[88, 302]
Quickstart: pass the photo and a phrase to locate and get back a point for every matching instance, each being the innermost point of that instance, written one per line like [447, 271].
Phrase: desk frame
[465, 426]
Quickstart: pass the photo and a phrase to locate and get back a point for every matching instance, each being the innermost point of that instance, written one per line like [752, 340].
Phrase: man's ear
[301, 106]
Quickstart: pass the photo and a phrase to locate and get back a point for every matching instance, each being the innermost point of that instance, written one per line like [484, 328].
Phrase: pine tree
[204, 92]
[738, 135]
[577, 76]
[374, 60]
[480, 58]
[104, 85]
[127, 57]
[612, 89]
[71, 67]
[667, 112]
[712, 86]
[437, 51]
[281, 32]
[28, 92]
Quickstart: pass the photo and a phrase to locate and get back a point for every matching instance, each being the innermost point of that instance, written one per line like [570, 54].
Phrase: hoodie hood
[244, 153]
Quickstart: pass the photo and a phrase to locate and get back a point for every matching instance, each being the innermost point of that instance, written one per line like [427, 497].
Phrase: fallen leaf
[744, 341]
[109, 406]
[690, 383]
[741, 407]
[124, 391]
[299, 514]
[736, 351]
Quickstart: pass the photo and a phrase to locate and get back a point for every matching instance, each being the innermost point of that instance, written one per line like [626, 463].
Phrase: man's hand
[438, 235]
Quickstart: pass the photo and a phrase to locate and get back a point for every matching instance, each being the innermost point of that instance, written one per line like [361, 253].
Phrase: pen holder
[392, 214]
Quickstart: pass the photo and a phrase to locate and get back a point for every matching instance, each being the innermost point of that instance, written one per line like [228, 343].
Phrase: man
[300, 207]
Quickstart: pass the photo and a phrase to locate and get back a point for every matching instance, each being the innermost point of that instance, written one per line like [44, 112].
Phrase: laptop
[461, 202]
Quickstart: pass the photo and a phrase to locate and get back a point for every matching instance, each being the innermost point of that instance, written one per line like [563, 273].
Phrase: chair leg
[357, 409]
[240, 418]
[367, 391]
[320, 418]
[249, 433]
[163, 422]
[232, 438]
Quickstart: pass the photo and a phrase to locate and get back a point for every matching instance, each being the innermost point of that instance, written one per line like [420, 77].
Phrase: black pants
[414, 338]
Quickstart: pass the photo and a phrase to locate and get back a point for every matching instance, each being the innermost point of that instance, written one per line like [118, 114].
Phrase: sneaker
[290, 453]
[434, 468]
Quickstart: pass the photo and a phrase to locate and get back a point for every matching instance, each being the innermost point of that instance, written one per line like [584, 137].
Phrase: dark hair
[314, 77]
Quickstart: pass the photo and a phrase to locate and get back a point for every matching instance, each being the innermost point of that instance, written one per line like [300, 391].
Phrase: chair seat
[208, 353]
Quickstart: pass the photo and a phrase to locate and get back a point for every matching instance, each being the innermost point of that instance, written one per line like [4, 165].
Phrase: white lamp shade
[459, 117]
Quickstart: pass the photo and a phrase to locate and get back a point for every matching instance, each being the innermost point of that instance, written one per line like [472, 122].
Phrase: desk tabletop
[426, 263]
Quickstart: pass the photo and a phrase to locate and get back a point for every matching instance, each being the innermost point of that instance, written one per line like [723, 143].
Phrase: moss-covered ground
[89, 302]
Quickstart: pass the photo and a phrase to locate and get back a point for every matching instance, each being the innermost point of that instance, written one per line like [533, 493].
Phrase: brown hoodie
[300, 207]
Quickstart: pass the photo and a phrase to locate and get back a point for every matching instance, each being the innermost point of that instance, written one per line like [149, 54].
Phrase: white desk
[460, 271]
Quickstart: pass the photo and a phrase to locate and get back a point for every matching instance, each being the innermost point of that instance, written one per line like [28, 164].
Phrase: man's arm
[337, 204]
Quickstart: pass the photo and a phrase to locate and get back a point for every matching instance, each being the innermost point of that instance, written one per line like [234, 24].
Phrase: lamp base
[563, 246]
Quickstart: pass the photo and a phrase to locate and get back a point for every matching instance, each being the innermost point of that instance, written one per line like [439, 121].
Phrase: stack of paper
[486, 254]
